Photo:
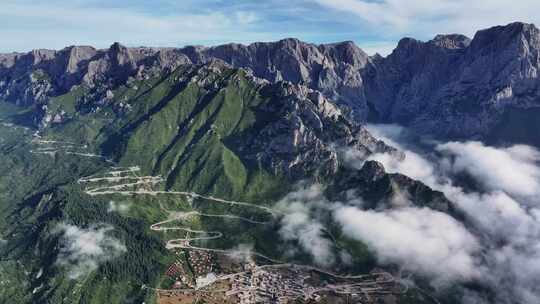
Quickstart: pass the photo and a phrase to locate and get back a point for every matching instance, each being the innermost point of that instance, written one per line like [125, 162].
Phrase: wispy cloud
[382, 47]
[375, 26]
[301, 225]
[242, 252]
[83, 249]
[428, 242]
[61, 23]
[120, 207]
[425, 18]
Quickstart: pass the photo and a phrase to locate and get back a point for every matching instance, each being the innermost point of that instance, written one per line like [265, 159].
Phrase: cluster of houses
[259, 285]
[268, 284]
[177, 272]
[201, 262]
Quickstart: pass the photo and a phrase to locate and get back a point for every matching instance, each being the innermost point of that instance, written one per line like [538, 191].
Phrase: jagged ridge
[450, 86]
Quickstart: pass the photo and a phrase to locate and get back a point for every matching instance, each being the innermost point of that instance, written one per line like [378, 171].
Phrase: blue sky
[375, 25]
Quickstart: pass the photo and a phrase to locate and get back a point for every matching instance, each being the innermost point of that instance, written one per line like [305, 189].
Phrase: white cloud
[300, 224]
[505, 214]
[56, 26]
[118, 207]
[414, 165]
[425, 18]
[391, 134]
[500, 244]
[375, 25]
[498, 215]
[245, 18]
[83, 249]
[241, 252]
[511, 232]
[513, 169]
[421, 240]
[382, 48]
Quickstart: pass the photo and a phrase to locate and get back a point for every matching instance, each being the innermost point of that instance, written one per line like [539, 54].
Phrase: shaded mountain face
[457, 87]
[451, 86]
[381, 190]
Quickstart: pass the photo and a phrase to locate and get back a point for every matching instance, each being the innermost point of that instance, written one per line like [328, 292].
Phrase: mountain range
[438, 86]
[263, 144]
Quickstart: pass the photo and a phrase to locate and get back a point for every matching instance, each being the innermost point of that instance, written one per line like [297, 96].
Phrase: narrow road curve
[126, 181]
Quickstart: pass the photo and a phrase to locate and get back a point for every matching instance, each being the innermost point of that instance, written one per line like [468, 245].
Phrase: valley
[265, 283]
[215, 274]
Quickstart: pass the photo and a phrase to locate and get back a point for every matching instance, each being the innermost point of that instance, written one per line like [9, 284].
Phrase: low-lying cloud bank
[514, 170]
[83, 249]
[502, 207]
[426, 241]
[420, 239]
[496, 189]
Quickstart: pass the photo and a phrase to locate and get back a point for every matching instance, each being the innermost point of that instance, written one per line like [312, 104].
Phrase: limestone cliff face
[333, 69]
[32, 77]
[451, 86]
[456, 87]
[305, 131]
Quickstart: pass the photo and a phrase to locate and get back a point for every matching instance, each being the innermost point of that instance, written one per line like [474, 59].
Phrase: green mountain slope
[84, 204]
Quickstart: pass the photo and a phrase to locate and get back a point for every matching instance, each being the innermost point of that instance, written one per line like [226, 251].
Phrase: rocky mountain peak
[8, 60]
[498, 38]
[410, 51]
[194, 52]
[291, 43]
[506, 57]
[75, 55]
[346, 51]
[456, 87]
[372, 171]
[451, 41]
[120, 55]
[40, 55]
[407, 42]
